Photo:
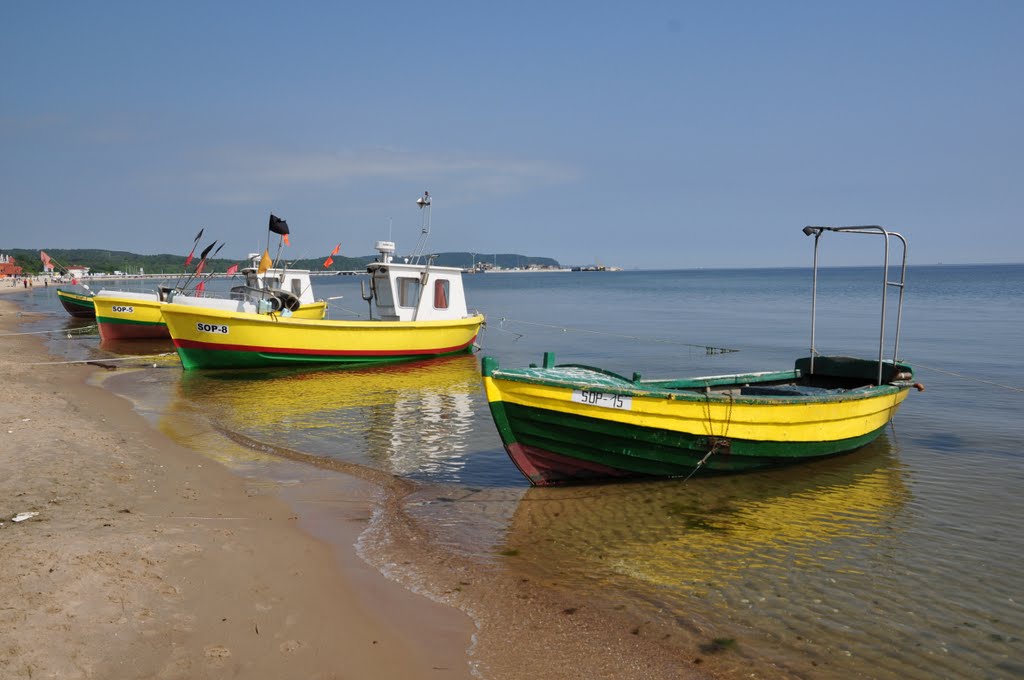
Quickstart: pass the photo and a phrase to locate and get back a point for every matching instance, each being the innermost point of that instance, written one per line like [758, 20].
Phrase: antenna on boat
[424, 203]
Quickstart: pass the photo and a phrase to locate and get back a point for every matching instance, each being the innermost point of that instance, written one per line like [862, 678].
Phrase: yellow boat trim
[217, 329]
[758, 419]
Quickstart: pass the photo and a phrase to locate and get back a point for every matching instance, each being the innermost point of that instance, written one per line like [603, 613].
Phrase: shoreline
[208, 618]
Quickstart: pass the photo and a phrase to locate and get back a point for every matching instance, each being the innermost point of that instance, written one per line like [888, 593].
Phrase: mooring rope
[99, 360]
[716, 440]
[701, 462]
[70, 331]
[967, 377]
[565, 329]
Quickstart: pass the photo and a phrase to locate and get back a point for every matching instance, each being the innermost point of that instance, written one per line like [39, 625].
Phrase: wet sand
[149, 559]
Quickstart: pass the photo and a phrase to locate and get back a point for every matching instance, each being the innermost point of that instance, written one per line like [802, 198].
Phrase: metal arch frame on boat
[874, 230]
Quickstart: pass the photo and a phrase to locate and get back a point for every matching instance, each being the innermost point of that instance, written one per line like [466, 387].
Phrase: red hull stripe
[545, 468]
[209, 346]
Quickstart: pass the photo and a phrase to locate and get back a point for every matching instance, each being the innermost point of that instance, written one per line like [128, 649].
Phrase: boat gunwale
[136, 297]
[692, 389]
[322, 324]
[78, 297]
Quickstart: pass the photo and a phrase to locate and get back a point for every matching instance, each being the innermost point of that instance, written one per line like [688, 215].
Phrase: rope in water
[707, 348]
[717, 442]
[70, 331]
[917, 365]
[100, 361]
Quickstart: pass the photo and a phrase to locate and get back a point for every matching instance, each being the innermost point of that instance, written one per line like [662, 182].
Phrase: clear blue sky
[639, 134]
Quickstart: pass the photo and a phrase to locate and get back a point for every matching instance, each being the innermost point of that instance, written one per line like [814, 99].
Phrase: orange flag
[233, 269]
[286, 241]
[264, 263]
[330, 258]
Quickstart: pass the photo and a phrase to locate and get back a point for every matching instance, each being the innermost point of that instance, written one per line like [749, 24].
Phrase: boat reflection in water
[407, 419]
[140, 347]
[689, 536]
[761, 552]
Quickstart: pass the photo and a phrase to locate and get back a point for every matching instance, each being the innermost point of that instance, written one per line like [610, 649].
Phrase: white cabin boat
[416, 311]
[401, 291]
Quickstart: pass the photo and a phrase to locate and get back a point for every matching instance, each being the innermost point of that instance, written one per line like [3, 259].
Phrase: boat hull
[553, 439]
[215, 339]
[129, 318]
[76, 304]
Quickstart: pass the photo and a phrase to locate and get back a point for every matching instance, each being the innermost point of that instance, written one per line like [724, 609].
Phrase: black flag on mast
[277, 225]
[206, 251]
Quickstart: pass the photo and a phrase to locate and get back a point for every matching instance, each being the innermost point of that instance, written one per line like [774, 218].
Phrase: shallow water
[898, 561]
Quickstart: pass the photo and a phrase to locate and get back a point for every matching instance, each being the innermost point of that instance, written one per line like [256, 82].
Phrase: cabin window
[408, 291]
[441, 294]
[297, 287]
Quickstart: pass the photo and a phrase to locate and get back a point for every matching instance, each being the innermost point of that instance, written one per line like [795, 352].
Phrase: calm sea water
[898, 561]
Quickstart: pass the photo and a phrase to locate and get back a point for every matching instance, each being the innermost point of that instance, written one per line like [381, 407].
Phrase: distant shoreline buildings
[488, 268]
[8, 266]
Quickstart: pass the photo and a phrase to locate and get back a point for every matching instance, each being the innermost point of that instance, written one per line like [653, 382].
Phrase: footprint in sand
[291, 646]
[217, 652]
[187, 548]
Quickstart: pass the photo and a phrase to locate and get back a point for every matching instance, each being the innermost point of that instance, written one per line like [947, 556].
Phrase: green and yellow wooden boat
[573, 423]
[79, 305]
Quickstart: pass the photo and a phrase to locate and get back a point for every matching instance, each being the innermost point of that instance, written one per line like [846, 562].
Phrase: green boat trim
[77, 304]
[650, 451]
[121, 321]
[199, 358]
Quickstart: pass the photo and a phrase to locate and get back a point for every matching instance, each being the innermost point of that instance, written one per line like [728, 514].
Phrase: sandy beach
[144, 558]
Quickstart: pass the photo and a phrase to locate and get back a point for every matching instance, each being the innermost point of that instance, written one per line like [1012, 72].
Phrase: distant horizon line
[565, 268]
[619, 267]
[836, 266]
